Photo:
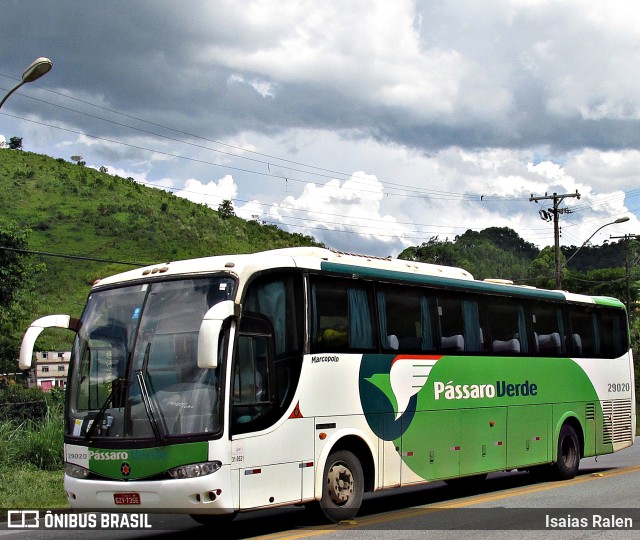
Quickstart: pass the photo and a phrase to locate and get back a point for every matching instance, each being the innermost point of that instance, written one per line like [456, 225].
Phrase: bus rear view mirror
[36, 328]
[209, 336]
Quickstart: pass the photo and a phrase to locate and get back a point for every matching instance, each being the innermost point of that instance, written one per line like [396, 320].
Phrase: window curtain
[563, 345]
[472, 339]
[522, 330]
[314, 316]
[382, 318]
[360, 331]
[427, 333]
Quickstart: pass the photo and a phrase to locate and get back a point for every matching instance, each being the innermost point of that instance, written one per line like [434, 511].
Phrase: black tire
[568, 462]
[343, 487]
[213, 519]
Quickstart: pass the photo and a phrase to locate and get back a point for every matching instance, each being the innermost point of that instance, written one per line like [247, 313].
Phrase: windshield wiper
[146, 397]
[118, 384]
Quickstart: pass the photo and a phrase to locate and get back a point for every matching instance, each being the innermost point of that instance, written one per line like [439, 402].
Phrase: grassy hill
[77, 210]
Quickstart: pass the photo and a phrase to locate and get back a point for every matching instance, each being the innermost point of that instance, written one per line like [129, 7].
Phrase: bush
[41, 443]
[18, 403]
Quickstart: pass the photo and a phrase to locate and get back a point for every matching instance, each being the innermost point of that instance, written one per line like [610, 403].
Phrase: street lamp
[36, 69]
[619, 220]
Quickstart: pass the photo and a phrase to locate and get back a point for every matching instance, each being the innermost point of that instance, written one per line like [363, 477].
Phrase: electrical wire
[406, 191]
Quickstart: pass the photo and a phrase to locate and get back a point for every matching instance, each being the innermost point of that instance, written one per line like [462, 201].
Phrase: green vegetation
[54, 206]
[75, 210]
[31, 456]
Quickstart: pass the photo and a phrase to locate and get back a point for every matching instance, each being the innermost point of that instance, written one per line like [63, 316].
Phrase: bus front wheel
[343, 486]
[568, 461]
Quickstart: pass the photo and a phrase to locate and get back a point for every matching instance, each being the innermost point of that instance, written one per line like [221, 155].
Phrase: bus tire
[343, 487]
[566, 466]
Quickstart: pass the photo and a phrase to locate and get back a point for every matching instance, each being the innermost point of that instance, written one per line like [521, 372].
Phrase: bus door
[272, 448]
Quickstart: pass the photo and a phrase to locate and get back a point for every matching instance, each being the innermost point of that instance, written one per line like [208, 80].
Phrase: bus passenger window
[507, 326]
[341, 317]
[459, 322]
[404, 316]
[614, 337]
[548, 327]
[584, 331]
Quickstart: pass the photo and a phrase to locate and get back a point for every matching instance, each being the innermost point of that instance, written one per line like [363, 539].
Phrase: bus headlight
[75, 471]
[195, 469]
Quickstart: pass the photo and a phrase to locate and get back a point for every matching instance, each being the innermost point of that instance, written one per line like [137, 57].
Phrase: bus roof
[322, 259]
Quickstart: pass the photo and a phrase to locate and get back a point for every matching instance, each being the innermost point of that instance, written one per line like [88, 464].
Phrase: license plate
[126, 498]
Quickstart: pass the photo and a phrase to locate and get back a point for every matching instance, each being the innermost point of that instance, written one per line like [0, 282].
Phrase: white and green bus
[308, 376]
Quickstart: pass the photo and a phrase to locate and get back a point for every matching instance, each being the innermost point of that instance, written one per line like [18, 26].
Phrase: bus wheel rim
[340, 483]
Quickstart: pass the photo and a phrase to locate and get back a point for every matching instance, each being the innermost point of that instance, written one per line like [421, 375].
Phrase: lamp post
[619, 220]
[36, 69]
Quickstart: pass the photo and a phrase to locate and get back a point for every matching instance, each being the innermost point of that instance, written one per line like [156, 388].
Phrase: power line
[74, 257]
[393, 189]
[349, 176]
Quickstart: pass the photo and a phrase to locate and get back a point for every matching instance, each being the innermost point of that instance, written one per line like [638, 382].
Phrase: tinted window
[341, 316]
[405, 319]
[507, 326]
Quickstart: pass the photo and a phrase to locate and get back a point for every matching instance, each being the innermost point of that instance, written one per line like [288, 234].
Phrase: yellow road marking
[438, 507]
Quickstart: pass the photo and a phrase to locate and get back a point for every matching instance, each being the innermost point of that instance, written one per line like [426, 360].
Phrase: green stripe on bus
[138, 463]
[470, 285]
[608, 301]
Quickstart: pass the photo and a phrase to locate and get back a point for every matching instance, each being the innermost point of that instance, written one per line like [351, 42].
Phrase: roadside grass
[31, 463]
[24, 487]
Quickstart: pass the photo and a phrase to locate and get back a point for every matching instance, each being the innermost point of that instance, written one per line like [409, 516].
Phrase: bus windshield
[134, 370]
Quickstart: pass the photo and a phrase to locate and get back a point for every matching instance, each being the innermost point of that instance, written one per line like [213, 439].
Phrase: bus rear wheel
[343, 487]
[568, 461]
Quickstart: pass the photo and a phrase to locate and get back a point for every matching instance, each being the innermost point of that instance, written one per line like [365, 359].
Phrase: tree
[225, 209]
[496, 252]
[17, 284]
[15, 143]
[543, 268]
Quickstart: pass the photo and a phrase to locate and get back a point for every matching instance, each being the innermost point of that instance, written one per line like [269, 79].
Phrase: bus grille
[616, 421]
[590, 411]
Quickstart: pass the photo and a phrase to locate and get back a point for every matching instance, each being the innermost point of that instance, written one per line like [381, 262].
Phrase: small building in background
[50, 370]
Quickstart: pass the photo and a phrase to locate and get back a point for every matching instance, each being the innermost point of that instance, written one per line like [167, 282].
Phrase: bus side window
[459, 324]
[614, 335]
[404, 318]
[252, 396]
[279, 297]
[341, 318]
[548, 327]
[584, 332]
[507, 326]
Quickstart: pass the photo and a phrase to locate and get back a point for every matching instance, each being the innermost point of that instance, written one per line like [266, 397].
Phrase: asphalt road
[601, 502]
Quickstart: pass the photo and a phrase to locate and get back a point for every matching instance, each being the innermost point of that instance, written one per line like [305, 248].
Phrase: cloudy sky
[370, 125]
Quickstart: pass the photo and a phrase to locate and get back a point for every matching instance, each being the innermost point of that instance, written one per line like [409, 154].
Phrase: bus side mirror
[209, 336]
[36, 328]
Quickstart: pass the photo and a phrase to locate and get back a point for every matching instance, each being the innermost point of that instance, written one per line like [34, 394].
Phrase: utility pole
[554, 214]
[627, 265]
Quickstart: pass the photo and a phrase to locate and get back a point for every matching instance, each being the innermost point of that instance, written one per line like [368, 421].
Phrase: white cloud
[210, 193]
[456, 111]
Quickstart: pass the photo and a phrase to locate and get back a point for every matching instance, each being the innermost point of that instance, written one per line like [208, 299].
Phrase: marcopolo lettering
[108, 456]
[453, 391]
[316, 359]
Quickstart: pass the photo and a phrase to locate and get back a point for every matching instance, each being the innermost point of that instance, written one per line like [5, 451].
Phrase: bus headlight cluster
[75, 471]
[195, 469]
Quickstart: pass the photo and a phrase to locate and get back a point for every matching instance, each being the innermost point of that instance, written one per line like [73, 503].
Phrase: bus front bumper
[210, 494]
